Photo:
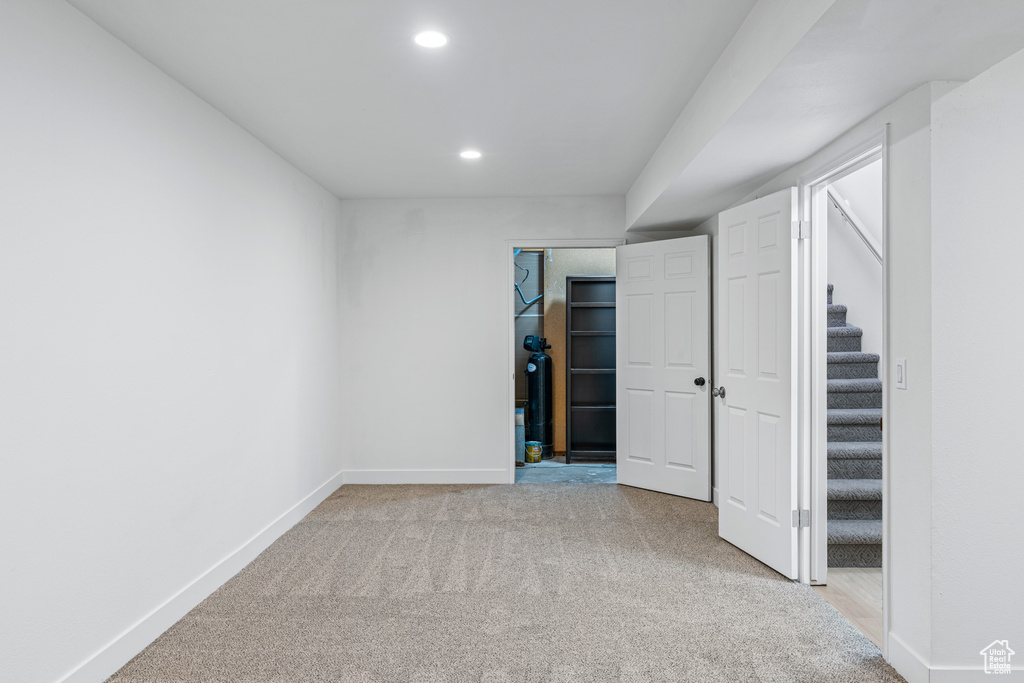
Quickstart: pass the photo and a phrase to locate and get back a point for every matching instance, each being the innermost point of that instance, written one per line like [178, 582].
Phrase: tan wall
[559, 264]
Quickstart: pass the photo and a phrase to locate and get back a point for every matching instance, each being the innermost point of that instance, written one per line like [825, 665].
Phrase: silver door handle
[718, 392]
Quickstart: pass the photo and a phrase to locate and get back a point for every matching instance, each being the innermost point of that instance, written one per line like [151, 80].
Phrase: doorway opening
[563, 335]
[848, 390]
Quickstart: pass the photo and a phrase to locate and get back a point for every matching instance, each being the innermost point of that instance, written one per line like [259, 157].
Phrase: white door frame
[510, 315]
[814, 361]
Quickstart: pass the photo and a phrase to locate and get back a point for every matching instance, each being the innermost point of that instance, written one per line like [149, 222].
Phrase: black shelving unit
[590, 368]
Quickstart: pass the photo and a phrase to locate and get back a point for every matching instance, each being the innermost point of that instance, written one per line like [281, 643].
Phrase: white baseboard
[492, 476]
[907, 662]
[973, 675]
[714, 496]
[135, 638]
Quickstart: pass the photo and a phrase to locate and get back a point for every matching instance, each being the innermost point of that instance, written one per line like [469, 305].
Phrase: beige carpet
[541, 582]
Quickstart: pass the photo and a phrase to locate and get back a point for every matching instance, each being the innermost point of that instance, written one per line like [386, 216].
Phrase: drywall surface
[908, 425]
[863, 191]
[431, 370]
[856, 274]
[767, 35]
[559, 264]
[977, 370]
[168, 312]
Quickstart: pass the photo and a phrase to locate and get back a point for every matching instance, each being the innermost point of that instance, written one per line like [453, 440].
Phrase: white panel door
[755, 365]
[662, 327]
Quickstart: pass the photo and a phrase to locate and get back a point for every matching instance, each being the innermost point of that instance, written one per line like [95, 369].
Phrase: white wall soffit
[769, 33]
[842, 62]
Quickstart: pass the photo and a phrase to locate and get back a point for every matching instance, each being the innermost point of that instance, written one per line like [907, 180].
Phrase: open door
[662, 327]
[755, 377]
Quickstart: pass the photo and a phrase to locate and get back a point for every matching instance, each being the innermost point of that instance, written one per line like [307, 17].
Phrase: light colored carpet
[509, 583]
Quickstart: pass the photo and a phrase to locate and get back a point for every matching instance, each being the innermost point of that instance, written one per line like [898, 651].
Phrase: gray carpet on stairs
[509, 583]
[854, 448]
[852, 365]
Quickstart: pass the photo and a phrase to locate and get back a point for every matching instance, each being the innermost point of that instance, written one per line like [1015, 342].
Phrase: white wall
[862, 190]
[431, 347]
[852, 268]
[977, 368]
[167, 346]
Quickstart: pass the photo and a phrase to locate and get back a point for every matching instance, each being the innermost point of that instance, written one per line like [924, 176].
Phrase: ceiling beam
[768, 34]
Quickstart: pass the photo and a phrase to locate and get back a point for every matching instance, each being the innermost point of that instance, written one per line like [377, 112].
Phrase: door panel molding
[663, 319]
[756, 364]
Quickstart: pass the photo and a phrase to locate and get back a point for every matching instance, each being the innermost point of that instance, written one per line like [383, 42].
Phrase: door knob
[699, 381]
[718, 392]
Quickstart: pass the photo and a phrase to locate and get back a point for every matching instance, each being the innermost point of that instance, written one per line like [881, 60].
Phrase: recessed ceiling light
[470, 154]
[431, 39]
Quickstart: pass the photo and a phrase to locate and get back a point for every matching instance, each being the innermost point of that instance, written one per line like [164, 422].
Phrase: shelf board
[595, 453]
[592, 304]
[593, 333]
[592, 371]
[603, 406]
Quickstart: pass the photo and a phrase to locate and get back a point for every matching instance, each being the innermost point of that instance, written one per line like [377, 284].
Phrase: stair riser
[855, 509]
[854, 433]
[867, 399]
[837, 318]
[859, 555]
[852, 370]
[844, 343]
[854, 469]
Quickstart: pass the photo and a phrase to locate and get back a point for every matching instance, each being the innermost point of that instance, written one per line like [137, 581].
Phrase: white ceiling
[563, 98]
[683, 106]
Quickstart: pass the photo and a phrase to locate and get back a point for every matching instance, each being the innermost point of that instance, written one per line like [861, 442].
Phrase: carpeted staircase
[854, 447]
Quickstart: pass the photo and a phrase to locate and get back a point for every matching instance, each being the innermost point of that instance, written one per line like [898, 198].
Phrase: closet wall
[558, 264]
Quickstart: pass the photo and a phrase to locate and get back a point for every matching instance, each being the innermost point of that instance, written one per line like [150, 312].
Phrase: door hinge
[801, 230]
[801, 519]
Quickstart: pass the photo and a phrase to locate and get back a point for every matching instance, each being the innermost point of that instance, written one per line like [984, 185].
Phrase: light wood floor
[856, 593]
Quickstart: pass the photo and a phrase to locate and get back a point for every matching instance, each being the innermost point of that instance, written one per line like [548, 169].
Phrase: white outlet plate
[901, 373]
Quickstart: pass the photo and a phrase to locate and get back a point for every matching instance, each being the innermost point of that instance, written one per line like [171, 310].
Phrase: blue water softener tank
[539, 411]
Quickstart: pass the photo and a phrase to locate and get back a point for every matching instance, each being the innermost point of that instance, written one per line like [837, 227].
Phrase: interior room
[570, 306]
[257, 315]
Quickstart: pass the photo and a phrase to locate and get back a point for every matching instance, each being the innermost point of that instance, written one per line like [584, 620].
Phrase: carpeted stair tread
[855, 489]
[855, 531]
[851, 468]
[847, 331]
[852, 357]
[836, 315]
[855, 392]
[854, 416]
[855, 555]
[854, 386]
[855, 450]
